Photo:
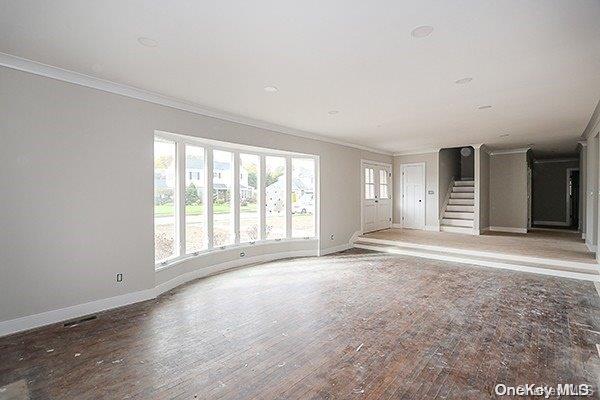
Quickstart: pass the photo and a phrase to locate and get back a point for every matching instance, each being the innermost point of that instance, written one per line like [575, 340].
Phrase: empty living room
[299, 199]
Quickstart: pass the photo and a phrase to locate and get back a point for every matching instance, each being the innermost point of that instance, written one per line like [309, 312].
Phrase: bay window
[211, 195]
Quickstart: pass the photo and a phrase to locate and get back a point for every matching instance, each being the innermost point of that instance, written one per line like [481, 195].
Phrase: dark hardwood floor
[356, 325]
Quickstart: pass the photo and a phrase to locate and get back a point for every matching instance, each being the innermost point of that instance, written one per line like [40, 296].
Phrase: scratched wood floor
[357, 325]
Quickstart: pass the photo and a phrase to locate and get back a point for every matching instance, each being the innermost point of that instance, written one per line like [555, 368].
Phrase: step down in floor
[537, 265]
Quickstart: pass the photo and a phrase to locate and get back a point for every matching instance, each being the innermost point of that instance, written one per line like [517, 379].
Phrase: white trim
[556, 160]
[80, 310]
[34, 67]
[335, 249]
[592, 123]
[67, 313]
[424, 180]
[434, 228]
[397, 225]
[354, 236]
[485, 263]
[507, 229]
[583, 235]
[509, 151]
[583, 143]
[551, 223]
[416, 152]
[380, 163]
[591, 247]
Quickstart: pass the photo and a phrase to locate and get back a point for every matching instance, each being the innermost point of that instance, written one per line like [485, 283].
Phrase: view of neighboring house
[194, 174]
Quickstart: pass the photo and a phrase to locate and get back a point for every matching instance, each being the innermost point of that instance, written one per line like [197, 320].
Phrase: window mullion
[261, 198]
[180, 217]
[288, 197]
[235, 201]
[208, 197]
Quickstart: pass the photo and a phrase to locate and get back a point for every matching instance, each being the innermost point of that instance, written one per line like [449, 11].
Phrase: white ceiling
[536, 62]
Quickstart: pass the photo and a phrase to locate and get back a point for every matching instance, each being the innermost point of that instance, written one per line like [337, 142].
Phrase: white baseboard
[64, 314]
[507, 229]
[434, 228]
[551, 223]
[583, 235]
[591, 247]
[355, 236]
[335, 249]
[396, 225]
[67, 313]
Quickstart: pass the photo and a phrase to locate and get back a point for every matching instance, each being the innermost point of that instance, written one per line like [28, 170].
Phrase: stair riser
[457, 222]
[462, 196]
[465, 202]
[456, 229]
[463, 189]
[459, 215]
[464, 183]
[452, 208]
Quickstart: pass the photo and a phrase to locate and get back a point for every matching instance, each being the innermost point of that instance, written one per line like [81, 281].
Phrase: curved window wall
[211, 195]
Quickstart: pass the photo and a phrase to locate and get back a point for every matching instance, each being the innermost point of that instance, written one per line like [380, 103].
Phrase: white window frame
[209, 145]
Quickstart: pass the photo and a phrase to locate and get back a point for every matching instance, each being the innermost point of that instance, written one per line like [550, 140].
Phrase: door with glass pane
[377, 197]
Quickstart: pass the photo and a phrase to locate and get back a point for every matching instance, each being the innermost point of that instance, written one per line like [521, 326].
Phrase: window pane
[195, 228]
[249, 216]
[165, 222]
[303, 197]
[275, 188]
[222, 191]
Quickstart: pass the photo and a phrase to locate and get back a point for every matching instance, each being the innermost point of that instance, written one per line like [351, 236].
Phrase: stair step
[463, 202]
[454, 195]
[464, 183]
[463, 189]
[461, 208]
[561, 268]
[457, 222]
[459, 215]
[456, 229]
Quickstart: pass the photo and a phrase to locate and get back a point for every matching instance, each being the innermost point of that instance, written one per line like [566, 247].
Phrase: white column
[261, 198]
[288, 197]
[582, 187]
[235, 196]
[180, 187]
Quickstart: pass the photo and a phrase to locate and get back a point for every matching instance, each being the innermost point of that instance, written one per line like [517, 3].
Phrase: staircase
[458, 215]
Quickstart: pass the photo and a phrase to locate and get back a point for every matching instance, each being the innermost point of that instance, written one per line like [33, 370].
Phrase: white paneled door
[377, 196]
[413, 196]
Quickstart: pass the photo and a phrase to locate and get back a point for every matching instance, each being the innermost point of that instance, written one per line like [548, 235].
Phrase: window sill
[178, 260]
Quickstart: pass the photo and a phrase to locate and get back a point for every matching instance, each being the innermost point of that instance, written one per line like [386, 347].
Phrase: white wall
[449, 168]
[78, 190]
[431, 185]
[582, 188]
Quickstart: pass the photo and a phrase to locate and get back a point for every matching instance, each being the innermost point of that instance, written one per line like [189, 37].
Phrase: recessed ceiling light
[271, 89]
[332, 112]
[463, 81]
[483, 107]
[144, 41]
[422, 31]
[505, 135]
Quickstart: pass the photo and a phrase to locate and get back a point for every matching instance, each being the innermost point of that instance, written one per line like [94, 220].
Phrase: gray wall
[591, 197]
[467, 165]
[484, 189]
[550, 190]
[508, 190]
[431, 184]
[78, 189]
[582, 187]
[449, 169]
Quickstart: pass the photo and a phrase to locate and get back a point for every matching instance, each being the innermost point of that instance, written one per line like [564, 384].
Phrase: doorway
[376, 196]
[573, 197]
[413, 195]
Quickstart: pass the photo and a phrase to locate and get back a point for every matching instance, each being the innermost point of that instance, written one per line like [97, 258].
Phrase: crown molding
[510, 151]
[582, 143]
[415, 152]
[49, 71]
[592, 123]
[555, 160]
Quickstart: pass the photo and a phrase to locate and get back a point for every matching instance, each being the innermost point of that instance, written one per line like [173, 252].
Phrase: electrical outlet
[119, 277]
[332, 237]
